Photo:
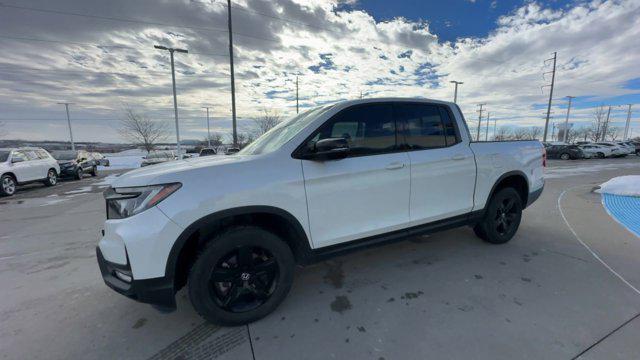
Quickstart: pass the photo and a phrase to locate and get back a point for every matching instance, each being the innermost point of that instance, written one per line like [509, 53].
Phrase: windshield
[64, 155]
[283, 132]
[4, 155]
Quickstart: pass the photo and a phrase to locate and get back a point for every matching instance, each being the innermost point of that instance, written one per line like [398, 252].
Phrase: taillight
[544, 157]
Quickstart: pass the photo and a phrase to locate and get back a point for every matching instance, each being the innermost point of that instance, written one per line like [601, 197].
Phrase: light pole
[297, 107]
[66, 106]
[486, 134]
[208, 129]
[455, 91]
[626, 126]
[566, 121]
[175, 98]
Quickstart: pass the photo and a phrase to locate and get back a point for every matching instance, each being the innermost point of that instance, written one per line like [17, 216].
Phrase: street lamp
[208, 129]
[66, 106]
[455, 92]
[175, 99]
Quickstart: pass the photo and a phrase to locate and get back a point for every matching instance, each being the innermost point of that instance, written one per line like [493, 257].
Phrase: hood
[65, 162]
[173, 171]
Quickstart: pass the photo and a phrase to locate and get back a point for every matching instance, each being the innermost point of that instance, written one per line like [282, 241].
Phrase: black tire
[502, 217]
[8, 185]
[78, 174]
[565, 156]
[52, 178]
[94, 171]
[601, 155]
[244, 293]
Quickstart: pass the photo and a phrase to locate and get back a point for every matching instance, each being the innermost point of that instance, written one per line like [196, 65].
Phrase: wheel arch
[15, 178]
[516, 179]
[279, 221]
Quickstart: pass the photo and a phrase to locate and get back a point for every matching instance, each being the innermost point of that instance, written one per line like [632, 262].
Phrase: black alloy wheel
[240, 276]
[502, 217]
[244, 279]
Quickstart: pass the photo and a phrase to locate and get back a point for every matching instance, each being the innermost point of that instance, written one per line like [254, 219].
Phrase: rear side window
[423, 126]
[42, 154]
[369, 129]
[449, 127]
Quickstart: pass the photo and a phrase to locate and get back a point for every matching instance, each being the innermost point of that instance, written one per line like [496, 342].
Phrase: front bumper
[68, 171]
[156, 291]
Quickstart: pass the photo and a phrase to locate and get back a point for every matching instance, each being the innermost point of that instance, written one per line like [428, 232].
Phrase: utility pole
[479, 120]
[606, 124]
[553, 80]
[233, 80]
[486, 133]
[626, 126]
[66, 106]
[208, 129]
[495, 123]
[566, 121]
[297, 107]
[175, 97]
[455, 91]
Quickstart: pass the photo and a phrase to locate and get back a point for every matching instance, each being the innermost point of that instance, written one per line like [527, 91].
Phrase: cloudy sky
[99, 55]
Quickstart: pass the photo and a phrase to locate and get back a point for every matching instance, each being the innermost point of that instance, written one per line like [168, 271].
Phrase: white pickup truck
[331, 179]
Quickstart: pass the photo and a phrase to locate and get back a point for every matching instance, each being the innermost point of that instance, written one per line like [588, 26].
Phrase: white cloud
[336, 54]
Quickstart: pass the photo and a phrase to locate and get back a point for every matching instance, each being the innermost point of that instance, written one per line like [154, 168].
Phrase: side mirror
[329, 149]
[16, 160]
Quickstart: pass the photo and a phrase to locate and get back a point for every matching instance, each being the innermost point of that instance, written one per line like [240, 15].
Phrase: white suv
[331, 179]
[25, 165]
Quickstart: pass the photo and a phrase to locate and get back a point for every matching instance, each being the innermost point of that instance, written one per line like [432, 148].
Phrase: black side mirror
[329, 149]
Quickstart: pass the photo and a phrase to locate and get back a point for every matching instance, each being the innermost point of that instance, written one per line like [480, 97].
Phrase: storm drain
[202, 343]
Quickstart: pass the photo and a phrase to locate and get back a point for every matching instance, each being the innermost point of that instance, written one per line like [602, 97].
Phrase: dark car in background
[75, 163]
[100, 159]
[564, 152]
[208, 151]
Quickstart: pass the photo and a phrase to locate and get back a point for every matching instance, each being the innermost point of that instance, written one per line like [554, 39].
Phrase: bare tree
[245, 138]
[533, 133]
[141, 130]
[519, 133]
[581, 133]
[612, 133]
[599, 117]
[502, 133]
[215, 139]
[267, 121]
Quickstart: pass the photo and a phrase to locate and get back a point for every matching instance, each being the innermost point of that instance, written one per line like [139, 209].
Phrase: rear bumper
[534, 195]
[156, 291]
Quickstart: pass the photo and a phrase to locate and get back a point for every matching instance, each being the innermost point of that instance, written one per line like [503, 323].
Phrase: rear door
[443, 170]
[366, 193]
[24, 170]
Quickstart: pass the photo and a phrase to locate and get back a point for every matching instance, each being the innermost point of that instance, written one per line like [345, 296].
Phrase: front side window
[19, 155]
[369, 129]
[424, 127]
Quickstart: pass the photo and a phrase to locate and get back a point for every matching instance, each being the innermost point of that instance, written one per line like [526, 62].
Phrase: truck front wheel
[241, 276]
[502, 217]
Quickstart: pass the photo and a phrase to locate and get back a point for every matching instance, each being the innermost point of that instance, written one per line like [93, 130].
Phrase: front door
[366, 193]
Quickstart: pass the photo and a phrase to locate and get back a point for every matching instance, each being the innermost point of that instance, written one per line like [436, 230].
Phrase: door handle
[395, 165]
[458, 157]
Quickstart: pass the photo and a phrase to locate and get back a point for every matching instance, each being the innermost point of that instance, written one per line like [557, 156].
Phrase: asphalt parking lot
[565, 287]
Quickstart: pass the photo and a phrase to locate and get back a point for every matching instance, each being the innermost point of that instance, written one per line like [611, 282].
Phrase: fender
[504, 176]
[301, 247]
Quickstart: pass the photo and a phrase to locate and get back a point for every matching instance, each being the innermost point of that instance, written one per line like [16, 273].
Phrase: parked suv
[75, 163]
[564, 152]
[331, 179]
[596, 151]
[25, 165]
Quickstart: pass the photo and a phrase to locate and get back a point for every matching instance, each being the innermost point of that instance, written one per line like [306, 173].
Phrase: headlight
[126, 202]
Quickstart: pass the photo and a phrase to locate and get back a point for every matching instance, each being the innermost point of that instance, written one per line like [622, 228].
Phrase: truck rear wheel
[502, 217]
[241, 276]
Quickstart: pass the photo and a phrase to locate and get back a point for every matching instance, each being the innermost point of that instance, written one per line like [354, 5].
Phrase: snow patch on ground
[83, 189]
[566, 171]
[628, 185]
[107, 180]
[128, 159]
